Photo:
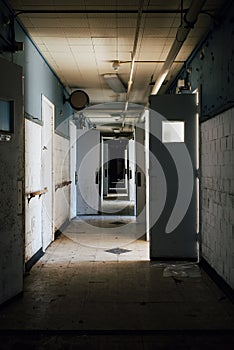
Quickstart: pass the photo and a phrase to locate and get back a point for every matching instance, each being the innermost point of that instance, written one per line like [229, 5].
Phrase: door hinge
[197, 173]
[19, 197]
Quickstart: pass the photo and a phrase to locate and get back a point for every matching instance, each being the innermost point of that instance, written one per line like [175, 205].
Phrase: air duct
[187, 24]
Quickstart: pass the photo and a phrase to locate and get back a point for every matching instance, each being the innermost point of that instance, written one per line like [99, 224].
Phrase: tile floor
[80, 296]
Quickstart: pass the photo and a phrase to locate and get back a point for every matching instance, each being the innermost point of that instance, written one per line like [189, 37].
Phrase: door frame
[45, 100]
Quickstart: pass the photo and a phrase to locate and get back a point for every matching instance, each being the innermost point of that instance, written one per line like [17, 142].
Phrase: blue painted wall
[212, 66]
[39, 79]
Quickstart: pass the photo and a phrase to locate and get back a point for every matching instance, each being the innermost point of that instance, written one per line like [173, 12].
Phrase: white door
[11, 181]
[131, 152]
[47, 171]
[88, 172]
[140, 173]
[126, 169]
[147, 194]
[105, 168]
[73, 175]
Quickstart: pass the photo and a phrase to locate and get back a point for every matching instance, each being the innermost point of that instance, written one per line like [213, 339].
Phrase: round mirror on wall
[78, 100]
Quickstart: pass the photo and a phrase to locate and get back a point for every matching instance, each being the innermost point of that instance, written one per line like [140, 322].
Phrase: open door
[173, 173]
[140, 172]
[88, 172]
[131, 171]
[104, 168]
[11, 181]
[47, 178]
[73, 175]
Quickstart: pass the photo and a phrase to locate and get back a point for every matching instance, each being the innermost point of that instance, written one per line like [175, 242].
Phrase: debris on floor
[182, 270]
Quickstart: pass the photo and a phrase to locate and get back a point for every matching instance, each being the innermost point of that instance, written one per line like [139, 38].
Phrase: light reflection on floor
[96, 234]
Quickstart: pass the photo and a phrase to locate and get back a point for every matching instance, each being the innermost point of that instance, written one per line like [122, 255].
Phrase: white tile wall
[33, 222]
[33, 237]
[217, 190]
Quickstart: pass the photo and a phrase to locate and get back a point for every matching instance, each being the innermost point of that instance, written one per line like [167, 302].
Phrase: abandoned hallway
[82, 295]
[116, 174]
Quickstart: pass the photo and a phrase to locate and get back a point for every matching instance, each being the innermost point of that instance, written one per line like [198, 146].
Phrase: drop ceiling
[81, 47]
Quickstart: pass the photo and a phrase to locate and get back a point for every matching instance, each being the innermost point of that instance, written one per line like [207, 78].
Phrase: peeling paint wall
[211, 66]
[33, 227]
[39, 79]
[11, 176]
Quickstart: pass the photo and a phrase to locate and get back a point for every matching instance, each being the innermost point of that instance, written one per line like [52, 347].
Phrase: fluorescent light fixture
[115, 83]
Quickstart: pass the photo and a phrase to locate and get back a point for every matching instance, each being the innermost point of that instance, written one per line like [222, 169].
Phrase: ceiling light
[115, 83]
[116, 65]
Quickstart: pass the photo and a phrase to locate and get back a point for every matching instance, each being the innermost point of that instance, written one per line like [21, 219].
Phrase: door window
[172, 131]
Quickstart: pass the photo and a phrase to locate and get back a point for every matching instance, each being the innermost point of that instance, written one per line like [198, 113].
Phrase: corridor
[95, 288]
[116, 175]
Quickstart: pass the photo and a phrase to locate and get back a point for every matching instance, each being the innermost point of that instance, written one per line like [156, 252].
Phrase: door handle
[96, 178]
[139, 179]
[20, 197]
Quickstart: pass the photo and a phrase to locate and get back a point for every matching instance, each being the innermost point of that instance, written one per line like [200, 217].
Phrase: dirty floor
[95, 288]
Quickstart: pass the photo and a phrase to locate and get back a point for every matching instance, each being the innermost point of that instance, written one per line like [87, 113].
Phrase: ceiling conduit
[187, 24]
[130, 81]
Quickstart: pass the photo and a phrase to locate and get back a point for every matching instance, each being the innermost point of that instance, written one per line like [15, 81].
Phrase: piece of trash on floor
[182, 270]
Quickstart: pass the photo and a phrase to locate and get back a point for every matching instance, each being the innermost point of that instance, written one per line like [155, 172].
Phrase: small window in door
[6, 116]
[172, 131]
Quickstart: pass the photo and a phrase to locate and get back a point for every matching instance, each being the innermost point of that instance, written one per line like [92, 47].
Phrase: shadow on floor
[79, 296]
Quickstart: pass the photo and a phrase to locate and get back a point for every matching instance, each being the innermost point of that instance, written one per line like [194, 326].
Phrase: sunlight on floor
[96, 236]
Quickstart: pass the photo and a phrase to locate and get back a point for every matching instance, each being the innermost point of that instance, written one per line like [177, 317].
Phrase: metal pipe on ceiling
[134, 11]
[130, 81]
[187, 24]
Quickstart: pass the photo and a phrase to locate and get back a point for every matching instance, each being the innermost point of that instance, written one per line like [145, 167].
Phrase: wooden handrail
[36, 193]
[62, 184]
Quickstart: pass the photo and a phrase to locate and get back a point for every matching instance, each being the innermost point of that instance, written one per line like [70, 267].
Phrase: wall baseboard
[221, 283]
[174, 259]
[59, 231]
[8, 301]
[32, 261]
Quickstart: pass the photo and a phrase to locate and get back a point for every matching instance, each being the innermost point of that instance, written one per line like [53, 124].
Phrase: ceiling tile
[103, 32]
[81, 49]
[79, 41]
[46, 32]
[104, 41]
[42, 22]
[74, 32]
[71, 22]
